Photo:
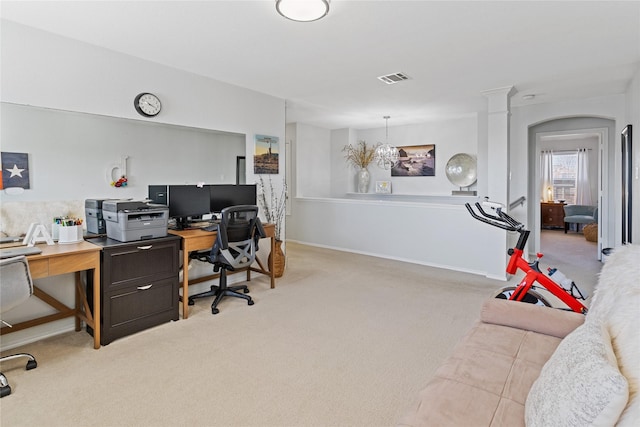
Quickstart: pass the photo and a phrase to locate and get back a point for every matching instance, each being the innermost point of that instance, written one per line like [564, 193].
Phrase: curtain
[546, 175]
[583, 188]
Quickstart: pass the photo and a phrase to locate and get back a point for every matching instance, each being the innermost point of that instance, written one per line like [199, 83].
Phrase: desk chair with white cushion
[15, 289]
[235, 247]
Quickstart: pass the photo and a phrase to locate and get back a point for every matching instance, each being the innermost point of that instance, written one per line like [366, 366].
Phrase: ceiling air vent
[394, 78]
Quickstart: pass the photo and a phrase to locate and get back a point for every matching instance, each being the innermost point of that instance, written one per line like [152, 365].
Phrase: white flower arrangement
[272, 205]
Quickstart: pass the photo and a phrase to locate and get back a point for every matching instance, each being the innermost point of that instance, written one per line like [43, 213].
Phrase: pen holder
[70, 234]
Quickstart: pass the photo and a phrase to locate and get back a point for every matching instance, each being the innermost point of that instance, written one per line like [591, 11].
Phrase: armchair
[16, 288]
[235, 247]
[579, 214]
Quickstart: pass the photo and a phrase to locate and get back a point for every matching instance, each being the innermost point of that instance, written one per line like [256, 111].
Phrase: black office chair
[235, 247]
[17, 287]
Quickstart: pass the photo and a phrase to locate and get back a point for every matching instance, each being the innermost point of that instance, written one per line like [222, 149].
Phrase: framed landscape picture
[266, 156]
[415, 160]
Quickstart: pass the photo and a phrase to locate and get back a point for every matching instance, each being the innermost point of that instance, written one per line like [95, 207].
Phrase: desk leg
[185, 284]
[272, 273]
[96, 306]
[78, 301]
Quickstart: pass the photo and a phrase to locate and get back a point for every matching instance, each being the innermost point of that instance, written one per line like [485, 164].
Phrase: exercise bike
[527, 290]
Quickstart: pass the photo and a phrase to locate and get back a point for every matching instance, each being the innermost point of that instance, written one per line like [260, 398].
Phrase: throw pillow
[580, 385]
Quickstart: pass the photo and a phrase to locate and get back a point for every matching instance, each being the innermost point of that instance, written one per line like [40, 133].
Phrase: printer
[131, 220]
[93, 214]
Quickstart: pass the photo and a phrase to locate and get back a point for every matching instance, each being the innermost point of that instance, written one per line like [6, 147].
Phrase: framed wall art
[15, 170]
[266, 155]
[415, 160]
[383, 187]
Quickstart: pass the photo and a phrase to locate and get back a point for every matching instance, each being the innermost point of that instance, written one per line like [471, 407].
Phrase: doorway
[570, 134]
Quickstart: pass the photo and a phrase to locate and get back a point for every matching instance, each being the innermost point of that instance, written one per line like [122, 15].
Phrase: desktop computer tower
[159, 194]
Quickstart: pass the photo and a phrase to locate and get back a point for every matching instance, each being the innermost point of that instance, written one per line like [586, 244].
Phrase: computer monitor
[188, 201]
[225, 195]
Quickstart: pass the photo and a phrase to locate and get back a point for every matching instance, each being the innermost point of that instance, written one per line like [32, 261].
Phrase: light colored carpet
[343, 340]
[572, 254]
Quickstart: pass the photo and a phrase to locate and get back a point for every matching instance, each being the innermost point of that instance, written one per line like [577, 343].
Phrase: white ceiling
[327, 70]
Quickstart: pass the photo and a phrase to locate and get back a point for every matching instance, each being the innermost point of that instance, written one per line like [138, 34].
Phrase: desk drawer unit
[139, 285]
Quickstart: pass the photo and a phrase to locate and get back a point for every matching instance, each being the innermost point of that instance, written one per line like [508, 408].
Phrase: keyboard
[17, 251]
[212, 227]
[11, 239]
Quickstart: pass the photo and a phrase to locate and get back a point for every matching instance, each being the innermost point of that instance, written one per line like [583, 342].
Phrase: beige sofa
[536, 366]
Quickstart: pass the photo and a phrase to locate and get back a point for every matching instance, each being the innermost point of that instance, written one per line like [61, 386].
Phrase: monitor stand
[182, 223]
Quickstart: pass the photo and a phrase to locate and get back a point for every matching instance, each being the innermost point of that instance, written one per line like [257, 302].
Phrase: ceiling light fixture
[386, 155]
[303, 10]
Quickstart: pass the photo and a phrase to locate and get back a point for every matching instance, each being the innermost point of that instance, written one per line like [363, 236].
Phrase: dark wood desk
[61, 259]
[197, 240]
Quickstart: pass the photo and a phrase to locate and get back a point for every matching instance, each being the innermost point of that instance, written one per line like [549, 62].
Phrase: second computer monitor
[225, 195]
[188, 201]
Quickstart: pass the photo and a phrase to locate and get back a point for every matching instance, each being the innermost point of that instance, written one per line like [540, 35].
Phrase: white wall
[44, 70]
[313, 160]
[420, 222]
[339, 173]
[436, 234]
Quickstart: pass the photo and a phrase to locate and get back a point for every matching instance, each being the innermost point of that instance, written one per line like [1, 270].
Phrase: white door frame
[603, 197]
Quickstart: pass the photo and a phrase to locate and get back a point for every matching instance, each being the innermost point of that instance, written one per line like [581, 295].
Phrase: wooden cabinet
[552, 215]
[139, 285]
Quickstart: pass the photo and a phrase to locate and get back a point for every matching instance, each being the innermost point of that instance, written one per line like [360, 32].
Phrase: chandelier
[386, 155]
[303, 10]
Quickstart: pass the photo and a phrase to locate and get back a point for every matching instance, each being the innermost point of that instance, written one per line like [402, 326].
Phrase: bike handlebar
[502, 220]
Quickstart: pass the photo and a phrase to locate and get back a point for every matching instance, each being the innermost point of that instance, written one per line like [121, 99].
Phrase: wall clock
[147, 104]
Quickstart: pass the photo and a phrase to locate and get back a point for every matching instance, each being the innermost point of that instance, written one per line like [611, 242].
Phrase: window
[565, 171]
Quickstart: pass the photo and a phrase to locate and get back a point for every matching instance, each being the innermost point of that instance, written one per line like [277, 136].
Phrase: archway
[566, 131]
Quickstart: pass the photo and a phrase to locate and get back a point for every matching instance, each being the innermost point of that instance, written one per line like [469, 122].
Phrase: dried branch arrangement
[361, 155]
[273, 205]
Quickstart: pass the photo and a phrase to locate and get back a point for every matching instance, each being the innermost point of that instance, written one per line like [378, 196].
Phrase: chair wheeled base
[5, 388]
[220, 292]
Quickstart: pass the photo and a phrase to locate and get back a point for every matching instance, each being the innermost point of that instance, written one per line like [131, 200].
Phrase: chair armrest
[530, 317]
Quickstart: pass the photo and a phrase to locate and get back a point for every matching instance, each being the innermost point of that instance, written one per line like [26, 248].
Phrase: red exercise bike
[526, 291]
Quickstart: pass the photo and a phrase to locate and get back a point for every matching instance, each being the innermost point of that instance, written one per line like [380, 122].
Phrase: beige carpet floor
[572, 254]
[343, 340]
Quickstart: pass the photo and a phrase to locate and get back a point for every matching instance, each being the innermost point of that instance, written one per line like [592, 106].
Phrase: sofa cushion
[530, 317]
[580, 384]
[486, 379]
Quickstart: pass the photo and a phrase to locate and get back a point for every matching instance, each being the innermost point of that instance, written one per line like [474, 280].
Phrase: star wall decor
[15, 170]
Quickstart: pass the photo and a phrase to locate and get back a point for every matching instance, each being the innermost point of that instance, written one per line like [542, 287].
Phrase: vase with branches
[360, 156]
[273, 206]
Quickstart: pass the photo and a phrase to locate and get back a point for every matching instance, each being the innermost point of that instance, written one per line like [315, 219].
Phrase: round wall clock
[147, 104]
